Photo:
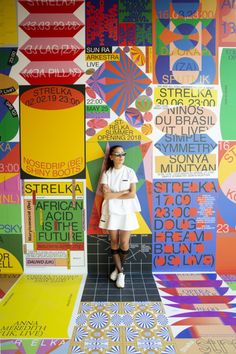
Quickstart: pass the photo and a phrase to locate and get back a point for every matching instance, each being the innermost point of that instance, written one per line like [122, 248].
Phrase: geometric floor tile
[134, 327]
[138, 287]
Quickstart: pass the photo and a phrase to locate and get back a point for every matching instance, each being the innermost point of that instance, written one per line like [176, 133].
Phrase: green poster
[228, 86]
[10, 219]
[59, 224]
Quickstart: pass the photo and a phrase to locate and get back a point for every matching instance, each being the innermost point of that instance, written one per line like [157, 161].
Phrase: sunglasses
[119, 154]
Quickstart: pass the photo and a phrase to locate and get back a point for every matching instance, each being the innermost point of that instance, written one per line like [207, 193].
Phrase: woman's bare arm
[108, 194]
[130, 193]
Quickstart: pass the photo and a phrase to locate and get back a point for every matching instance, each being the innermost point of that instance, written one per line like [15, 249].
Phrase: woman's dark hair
[109, 163]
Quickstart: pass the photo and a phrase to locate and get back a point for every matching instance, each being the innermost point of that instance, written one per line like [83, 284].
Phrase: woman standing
[118, 208]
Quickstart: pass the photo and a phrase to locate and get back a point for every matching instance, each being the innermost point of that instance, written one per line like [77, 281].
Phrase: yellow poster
[53, 188]
[52, 131]
[8, 25]
[39, 306]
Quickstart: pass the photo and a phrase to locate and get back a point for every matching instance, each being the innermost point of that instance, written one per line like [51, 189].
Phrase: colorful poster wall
[155, 76]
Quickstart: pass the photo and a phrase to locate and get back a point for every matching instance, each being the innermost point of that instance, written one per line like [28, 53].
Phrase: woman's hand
[130, 193]
[108, 194]
[106, 189]
[126, 191]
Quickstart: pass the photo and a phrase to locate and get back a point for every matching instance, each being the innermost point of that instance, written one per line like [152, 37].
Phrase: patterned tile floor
[124, 327]
[139, 287]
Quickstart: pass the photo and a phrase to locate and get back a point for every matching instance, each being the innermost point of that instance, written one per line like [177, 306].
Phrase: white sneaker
[114, 274]
[120, 281]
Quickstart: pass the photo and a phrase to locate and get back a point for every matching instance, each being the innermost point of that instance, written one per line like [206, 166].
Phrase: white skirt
[127, 222]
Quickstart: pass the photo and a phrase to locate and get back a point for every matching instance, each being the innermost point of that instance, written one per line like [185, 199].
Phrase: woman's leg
[124, 245]
[114, 235]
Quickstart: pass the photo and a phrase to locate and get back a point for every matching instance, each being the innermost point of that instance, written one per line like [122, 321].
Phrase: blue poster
[184, 225]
